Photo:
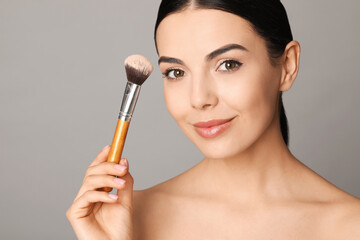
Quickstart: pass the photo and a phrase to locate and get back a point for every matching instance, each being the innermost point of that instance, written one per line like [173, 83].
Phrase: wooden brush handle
[117, 144]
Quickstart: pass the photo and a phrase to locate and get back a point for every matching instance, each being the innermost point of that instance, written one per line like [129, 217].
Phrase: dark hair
[267, 17]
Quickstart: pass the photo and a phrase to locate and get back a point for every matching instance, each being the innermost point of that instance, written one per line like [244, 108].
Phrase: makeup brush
[138, 69]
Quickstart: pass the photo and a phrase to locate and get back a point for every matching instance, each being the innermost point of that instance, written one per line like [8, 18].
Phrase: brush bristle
[138, 69]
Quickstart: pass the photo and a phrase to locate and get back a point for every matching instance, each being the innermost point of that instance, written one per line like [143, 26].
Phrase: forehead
[201, 31]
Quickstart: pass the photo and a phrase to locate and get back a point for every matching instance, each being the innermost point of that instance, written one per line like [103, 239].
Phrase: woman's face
[216, 67]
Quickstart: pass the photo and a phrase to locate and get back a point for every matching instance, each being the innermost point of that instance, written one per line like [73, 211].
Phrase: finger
[84, 202]
[123, 162]
[107, 168]
[125, 194]
[102, 156]
[95, 182]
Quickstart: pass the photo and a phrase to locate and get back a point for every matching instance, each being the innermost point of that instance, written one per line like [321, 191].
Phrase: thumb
[125, 195]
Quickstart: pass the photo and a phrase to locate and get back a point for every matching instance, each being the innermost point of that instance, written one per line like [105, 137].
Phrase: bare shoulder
[341, 217]
[337, 212]
[150, 211]
[141, 210]
[145, 200]
[151, 199]
[346, 221]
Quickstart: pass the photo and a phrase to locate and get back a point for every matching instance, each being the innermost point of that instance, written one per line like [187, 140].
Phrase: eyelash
[238, 64]
[166, 74]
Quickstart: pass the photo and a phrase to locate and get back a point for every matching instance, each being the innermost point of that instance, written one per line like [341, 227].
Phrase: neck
[261, 172]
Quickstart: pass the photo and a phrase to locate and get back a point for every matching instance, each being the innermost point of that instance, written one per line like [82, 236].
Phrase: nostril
[206, 106]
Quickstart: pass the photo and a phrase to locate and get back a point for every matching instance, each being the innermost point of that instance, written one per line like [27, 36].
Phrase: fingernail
[113, 196]
[124, 162]
[119, 180]
[107, 146]
[120, 167]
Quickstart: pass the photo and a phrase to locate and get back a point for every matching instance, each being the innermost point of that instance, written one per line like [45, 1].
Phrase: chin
[217, 155]
[231, 144]
[222, 147]
[221, 151]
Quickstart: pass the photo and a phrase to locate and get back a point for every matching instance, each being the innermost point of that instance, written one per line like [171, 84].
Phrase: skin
[249, 185]
[97, 214]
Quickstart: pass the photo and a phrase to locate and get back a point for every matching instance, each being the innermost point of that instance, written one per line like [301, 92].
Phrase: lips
[213, 128]
[212, 123]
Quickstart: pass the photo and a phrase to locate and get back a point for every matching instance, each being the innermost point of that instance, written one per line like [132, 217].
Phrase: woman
[225, 65]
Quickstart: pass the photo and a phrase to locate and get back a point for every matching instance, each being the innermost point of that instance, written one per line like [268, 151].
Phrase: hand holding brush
[95, 213]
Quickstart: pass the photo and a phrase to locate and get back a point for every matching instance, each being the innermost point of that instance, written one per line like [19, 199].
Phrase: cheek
[175, 100]
[252, 93]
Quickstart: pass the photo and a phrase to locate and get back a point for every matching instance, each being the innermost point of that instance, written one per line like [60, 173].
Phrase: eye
[229, 65]
[174, 73]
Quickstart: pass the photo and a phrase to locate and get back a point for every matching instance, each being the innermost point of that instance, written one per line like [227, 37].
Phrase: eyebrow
[170, 60]
[224, 49]
[208, 57]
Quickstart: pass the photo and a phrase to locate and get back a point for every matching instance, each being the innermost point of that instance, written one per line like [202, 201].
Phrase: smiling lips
[212, 128]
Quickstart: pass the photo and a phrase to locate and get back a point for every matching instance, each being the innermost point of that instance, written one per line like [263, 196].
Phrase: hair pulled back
[267, 17]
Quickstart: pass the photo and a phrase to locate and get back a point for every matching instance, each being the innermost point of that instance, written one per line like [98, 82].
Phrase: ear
[290, 65]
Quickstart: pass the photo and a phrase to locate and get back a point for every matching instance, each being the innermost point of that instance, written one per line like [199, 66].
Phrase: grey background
[62, 80]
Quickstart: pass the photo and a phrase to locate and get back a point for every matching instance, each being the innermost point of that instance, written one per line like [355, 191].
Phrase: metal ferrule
[131, 95]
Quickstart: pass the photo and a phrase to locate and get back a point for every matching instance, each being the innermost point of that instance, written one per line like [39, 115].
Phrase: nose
[203, 93]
